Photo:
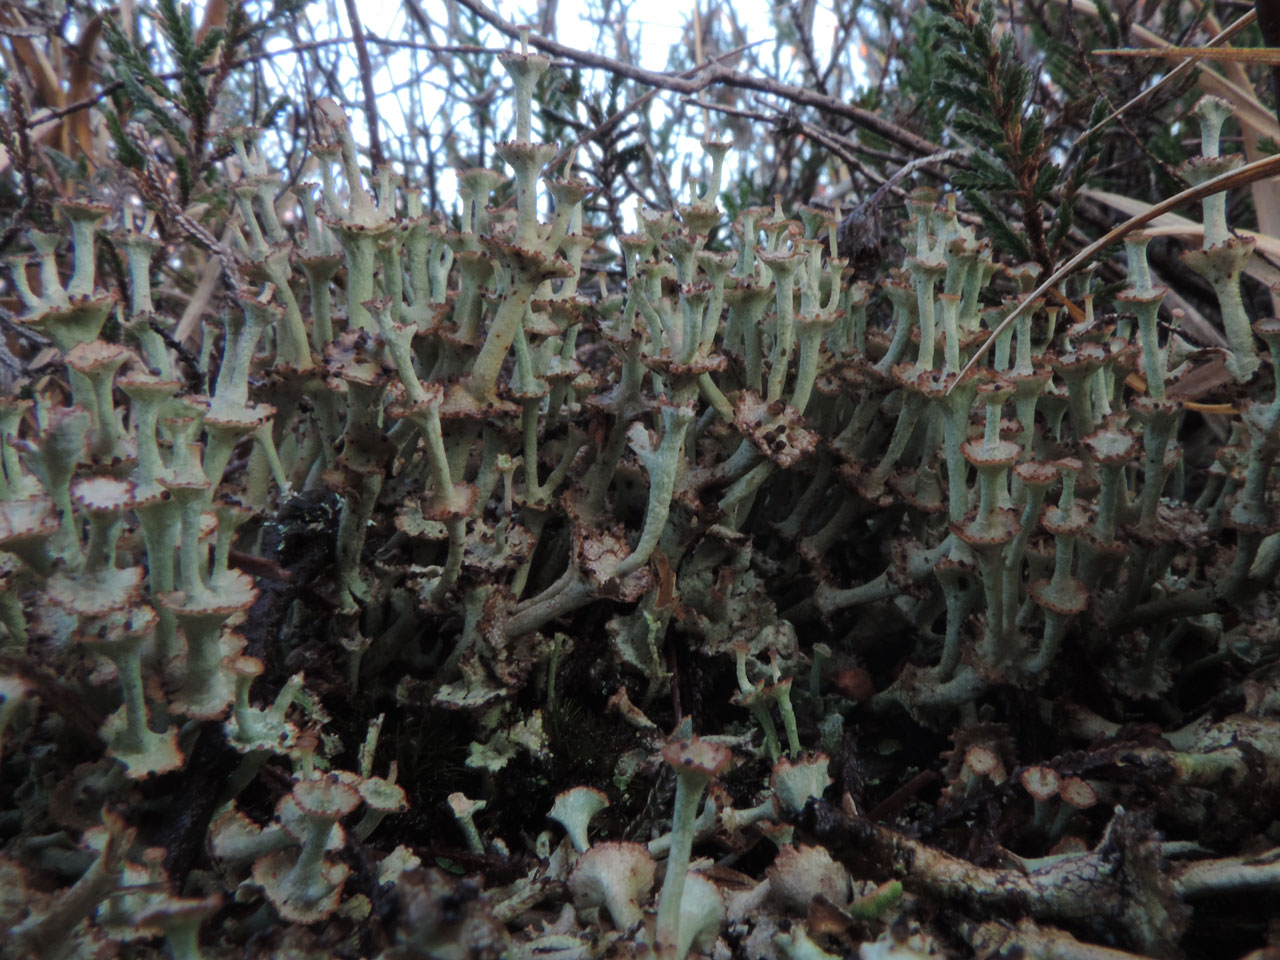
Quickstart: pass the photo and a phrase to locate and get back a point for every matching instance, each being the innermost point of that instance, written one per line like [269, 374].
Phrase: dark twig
[843, 33]
[714, 74]
[1183, 68]
[366, 81]
[45, 116]
[18, 142]
[195, 377]
[802, 14]
[610, 122]
[844, 148]
[1268, 16]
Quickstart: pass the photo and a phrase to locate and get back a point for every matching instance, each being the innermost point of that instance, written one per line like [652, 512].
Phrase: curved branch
[714, 74]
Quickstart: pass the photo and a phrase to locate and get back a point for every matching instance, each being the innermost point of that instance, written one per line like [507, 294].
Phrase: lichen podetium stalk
[1222, 258]
[482, 382]
[784, 267]
[695, 762]
[663, 465]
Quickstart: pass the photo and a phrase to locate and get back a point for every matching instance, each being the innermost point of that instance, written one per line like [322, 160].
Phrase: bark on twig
[376, 157]
[714, 74]
[1120, 882]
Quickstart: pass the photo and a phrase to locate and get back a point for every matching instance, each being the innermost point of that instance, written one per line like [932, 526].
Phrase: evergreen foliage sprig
[990, 91]
[181, 109]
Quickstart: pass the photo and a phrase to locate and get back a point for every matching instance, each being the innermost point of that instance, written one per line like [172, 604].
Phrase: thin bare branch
[366, 82]
[716, 74]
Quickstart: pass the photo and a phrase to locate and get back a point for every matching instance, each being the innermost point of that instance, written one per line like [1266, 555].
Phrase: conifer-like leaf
[1002, 232]
[1093, 143]
[1062, 221]
[950, 28]
[1046, 181]
[1015, 82]
[1032, 133]
[1114, 37]
[987, 16]
[945, 88]
[988, 173]
[126, 152]
[210, 45]
[131, 65]
[159, 111]
[976, 127]
[981, 43]
[958, 64]
[1005, 47]
[274, 111]
[1076, 177]
[177, 28]
[183, 168]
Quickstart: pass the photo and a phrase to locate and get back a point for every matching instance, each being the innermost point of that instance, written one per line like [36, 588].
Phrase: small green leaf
[987, 15]
[1062, 220]
[1109, 24]
[976, 127]
[1003, 235]
[955, 61]
[1015, 83]
[983, 162]
[1046, 181]
[126, 152]
[211, 43]
[1032, 133]
[183, 167]
[1004, 47]
[273, 112]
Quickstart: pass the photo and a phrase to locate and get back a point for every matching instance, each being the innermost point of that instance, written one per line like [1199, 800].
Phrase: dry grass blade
[1221, 37]
[38, 69]
[1249, 110]
[1258, 170]
[1176, 225]
[1264, 55]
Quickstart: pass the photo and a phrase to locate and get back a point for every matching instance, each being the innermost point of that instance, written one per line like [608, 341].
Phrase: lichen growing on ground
[505, 587]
